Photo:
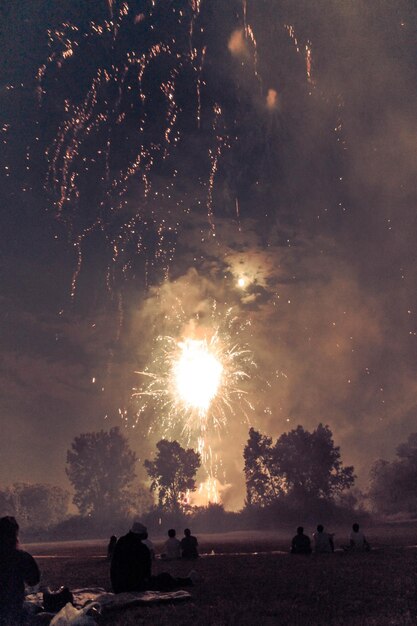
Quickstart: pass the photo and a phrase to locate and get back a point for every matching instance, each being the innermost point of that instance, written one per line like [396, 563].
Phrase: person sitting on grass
[130, 568]
[110, 547]
[16, 568]
[357, 541]
[323, 542]
[189, 545]
[172, 547]
[301, 543]
[148, 543]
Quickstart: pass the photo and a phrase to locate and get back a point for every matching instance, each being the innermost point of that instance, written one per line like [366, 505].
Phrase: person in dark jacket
[301, 543]
[189, 545]
[17, 567]
[130, 568]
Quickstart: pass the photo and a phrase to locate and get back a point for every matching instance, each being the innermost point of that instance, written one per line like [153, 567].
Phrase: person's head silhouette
[9, 529]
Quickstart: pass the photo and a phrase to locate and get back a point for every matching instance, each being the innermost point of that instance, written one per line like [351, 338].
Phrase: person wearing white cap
[130, 567]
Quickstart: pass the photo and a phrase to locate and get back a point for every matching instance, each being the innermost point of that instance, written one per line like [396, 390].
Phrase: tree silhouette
[263, 482]
[35, 505]
[101, 468]
[301, 465]
[173, 473]
[310, 463]
[394, 484]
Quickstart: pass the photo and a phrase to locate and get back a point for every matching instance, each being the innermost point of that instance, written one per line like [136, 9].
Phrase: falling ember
[237, 43]
[308, 51]
[271, 100]
[197, 374]
[309, 62]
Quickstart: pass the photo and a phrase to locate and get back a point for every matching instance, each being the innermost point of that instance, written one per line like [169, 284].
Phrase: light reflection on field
[233, 543]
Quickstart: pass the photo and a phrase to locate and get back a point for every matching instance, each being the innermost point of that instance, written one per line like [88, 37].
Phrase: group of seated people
[173, 549]
[131, 559]
[323, 542]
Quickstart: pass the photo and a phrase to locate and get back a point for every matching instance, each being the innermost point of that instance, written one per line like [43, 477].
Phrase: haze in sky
[239, 167]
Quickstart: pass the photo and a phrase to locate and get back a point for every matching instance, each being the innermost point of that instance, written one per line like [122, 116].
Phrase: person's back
[301, 543]
[323, 542]
[148, 543]
[17, 567]
[130, 566]
[357, 540]
[111, 546]
[189, 545]
[172, 547]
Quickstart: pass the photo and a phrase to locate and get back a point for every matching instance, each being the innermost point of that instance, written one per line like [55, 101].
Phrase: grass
[378, 588]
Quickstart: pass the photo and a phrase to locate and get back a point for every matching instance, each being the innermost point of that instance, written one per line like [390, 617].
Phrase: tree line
[300, 471]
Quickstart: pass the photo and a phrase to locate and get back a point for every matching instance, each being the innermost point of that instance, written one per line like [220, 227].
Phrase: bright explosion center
[197, 374]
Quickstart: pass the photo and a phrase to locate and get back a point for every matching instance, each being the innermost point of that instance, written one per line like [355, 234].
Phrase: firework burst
[196, 386]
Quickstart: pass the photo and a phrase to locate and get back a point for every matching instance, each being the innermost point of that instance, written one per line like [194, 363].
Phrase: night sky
[152, 155]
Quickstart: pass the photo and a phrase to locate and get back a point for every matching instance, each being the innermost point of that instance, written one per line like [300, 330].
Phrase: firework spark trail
[110, 81]
[215, 156]
[309, 62]
[291, 33]
[93, 124]
[308, 52]
[200, 71]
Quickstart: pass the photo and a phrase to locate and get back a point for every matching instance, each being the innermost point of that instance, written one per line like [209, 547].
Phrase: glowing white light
[241, 282]
[197, 374]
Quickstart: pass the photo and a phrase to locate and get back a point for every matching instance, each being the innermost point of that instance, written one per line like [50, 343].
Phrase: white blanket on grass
[109, 601]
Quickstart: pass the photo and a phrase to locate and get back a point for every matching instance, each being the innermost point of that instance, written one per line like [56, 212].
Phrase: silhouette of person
[357, 541]
[323, 542]
[172, 547]
[130, 567]
[111, 546]
[148, 543]
[301, 543]
[17, 567]
[189, 545]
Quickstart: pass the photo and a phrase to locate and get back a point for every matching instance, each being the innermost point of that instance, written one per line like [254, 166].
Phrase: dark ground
[270, 587]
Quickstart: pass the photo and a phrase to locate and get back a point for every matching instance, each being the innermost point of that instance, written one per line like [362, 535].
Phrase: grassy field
[249, 580]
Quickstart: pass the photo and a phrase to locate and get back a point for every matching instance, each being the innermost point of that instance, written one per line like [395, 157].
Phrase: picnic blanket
[110, 601]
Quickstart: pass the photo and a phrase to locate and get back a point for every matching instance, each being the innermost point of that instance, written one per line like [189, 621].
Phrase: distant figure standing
[189, 545]
[323, 542]
[16, 568]
[172, 547]
[357, 541]
[130, 567]
[148, 543]
[301, 543]
[111, 546]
